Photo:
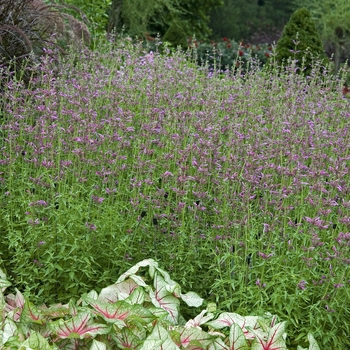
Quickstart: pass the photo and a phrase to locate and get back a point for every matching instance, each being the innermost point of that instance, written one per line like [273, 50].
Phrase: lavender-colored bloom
[167, 174]
[264, 256]
[329, 309]
[302, 285]
[34, 222]
[98, 200]
[108, 191]
[258, 283]
[91, 227]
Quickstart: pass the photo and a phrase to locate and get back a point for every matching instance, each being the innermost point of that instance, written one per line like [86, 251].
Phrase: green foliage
[236, 20]
[196, 14]
[135, 312]
[105, 165]
[95, 11]
[332, 20]
[228, 54]
[240, 19]
[330, 16]
[177, 34]
[174, 20]
[300, 41]
[138, 16]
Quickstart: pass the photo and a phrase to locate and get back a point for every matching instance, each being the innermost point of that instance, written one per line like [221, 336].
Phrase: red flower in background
[241, 53]
[267, 54]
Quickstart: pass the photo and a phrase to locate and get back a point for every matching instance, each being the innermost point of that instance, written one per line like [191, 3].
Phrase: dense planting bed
[237, 185]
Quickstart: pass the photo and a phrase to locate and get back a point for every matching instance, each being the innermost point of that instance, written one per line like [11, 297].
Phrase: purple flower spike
[302, 285]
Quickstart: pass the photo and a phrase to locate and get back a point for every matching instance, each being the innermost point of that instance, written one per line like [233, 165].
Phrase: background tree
[258, 21]
[332, 18]
[300, 41]
[237, 19]
[174, 20]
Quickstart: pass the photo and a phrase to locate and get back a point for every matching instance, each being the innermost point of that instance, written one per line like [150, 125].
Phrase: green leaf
[162, 298]
[121, 290]
[275, 340]
[4, 283]
[237, 338]
[31, 313]
[126, 339]
[192, 299]
[97, 345]
[218, 344]
[199, 319]
[36, 341]
[159, 339]
[121, 311]
[195, 336]
[10, 329]
[78, 326]
[147, 262]
[313, 343]
[136, 297]
[226, 319]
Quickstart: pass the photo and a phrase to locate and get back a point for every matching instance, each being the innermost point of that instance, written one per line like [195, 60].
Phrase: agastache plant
[236, 183]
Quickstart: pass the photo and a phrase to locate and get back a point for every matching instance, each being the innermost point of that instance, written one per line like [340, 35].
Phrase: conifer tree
[332, 20]
[300, 40]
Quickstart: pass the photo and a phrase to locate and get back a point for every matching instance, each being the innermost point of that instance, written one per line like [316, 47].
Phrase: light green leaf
[36, 341]
[10, 329]
[199, 319]
[127, 336]
[218, 344]
[159, 339]
[133, 270]
[192, 299]
[97, 345]
[136, 297]
[313, 342]
[4, 283]
[226, 319]
[237, 338]
[163, 299]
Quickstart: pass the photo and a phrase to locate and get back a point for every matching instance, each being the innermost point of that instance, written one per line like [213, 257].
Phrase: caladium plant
[132, 314]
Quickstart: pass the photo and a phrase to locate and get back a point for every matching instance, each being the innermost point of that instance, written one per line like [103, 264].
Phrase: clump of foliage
[332, 20]
[177, 34]
[127, 154]
[229, 54]
[93, 13]
[174, 19]
[25, 29]
[241, 19]
[220, 55]
[300, 41]
[29, 29]
[137, 312]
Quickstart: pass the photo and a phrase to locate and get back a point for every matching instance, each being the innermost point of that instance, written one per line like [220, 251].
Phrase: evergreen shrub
[300, 41]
